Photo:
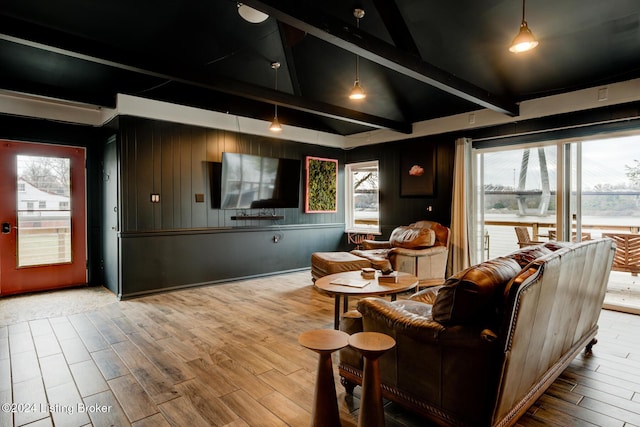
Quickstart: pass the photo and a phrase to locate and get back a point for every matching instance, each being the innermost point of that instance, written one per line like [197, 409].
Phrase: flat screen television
[248, 181]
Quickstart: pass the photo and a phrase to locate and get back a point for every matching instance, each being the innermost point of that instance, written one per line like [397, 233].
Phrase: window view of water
[521, 187]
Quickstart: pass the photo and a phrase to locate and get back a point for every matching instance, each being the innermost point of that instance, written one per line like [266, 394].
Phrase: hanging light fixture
[250, 14]
[275, 123]
[525, 39]
[357, 92]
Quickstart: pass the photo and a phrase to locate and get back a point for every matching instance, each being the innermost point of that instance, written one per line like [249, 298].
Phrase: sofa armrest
[453, 369]
[375, 244]
[434, 250]
[413, 319]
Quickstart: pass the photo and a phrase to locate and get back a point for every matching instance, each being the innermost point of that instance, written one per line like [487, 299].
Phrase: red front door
[42, 213]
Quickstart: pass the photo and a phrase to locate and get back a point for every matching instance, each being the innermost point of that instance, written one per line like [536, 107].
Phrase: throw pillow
[475, 293]
[412, 238]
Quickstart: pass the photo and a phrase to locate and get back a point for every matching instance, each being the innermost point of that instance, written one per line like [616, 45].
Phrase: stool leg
[371, 410]
[325, 402]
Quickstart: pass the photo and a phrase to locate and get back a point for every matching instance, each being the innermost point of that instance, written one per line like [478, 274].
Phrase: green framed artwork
[322, 185]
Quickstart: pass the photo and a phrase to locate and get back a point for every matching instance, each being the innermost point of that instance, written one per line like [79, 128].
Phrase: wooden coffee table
[405, 282]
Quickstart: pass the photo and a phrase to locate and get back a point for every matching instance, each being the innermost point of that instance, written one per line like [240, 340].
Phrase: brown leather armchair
[420, 249]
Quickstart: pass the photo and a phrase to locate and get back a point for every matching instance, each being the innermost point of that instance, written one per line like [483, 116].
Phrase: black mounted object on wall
[247, 181]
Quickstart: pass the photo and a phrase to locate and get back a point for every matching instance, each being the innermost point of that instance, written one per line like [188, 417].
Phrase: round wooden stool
[372, 345]
[325, 402]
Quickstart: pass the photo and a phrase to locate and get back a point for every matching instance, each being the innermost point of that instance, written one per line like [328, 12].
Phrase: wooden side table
[374, 288]
[325, 402]
[372, 345]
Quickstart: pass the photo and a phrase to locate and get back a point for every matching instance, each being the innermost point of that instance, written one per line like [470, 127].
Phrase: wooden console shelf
[241, 217]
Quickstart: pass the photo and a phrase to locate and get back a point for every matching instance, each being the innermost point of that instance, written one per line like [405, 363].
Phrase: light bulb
[524, 41]
[357, 92]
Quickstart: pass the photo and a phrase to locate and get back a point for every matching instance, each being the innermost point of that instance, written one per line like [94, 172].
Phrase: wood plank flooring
[227, 355]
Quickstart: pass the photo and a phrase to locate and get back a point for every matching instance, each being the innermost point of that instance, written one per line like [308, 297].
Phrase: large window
[569, 190]
[518, 188]
[361, 196]
[564, 190]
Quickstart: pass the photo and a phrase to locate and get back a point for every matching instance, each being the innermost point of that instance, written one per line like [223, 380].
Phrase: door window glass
[44, 217]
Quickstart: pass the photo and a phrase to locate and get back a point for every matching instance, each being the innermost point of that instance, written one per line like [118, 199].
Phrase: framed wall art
[417, 173]
[321, 185]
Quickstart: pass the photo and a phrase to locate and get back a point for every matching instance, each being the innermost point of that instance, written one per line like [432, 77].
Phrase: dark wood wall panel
[171, 160]
[172, 260]
[167, 212]
[396, 210]
[180, 242]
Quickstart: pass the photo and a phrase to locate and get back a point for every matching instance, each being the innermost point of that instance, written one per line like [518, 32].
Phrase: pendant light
[525, 39]
[275, 123]
[357, 92]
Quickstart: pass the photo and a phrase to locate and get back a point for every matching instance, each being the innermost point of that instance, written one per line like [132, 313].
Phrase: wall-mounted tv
[248, 181]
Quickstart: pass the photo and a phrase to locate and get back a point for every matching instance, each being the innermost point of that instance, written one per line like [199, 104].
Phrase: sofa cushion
[554, 245]
[530, 253]
[427, 295]
[527, 254]
[474, 294]
[412, 237]
[442, 232]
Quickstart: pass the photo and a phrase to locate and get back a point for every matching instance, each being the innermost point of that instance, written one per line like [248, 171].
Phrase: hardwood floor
[227, 355]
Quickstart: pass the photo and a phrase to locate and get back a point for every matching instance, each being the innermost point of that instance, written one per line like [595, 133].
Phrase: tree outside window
[362, 197]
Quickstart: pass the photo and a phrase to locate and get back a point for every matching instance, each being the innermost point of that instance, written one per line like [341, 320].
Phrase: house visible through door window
[361, 197]
[44, 222]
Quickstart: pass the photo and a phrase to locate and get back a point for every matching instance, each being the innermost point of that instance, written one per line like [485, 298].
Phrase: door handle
[6, 228]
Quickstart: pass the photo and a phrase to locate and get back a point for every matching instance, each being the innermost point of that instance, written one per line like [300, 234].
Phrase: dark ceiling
[420, 59]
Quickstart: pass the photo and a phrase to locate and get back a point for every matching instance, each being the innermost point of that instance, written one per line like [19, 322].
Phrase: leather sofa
[420, 249]
[480, 349]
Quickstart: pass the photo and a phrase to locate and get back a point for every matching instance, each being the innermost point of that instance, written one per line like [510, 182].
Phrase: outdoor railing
[545, 225]
[626, 237]
[44, 245]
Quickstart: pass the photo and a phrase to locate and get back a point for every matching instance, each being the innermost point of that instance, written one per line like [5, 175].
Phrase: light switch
[155, 198]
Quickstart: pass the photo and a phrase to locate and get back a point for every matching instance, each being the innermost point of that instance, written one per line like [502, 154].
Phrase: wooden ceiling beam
[45, 39]
[325, 27]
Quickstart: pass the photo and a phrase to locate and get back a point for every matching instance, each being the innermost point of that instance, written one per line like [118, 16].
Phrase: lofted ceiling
[419, 59]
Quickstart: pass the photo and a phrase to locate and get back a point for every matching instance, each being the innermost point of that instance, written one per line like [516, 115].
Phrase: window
[361, 197]
[42, 204]
[567, 190]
